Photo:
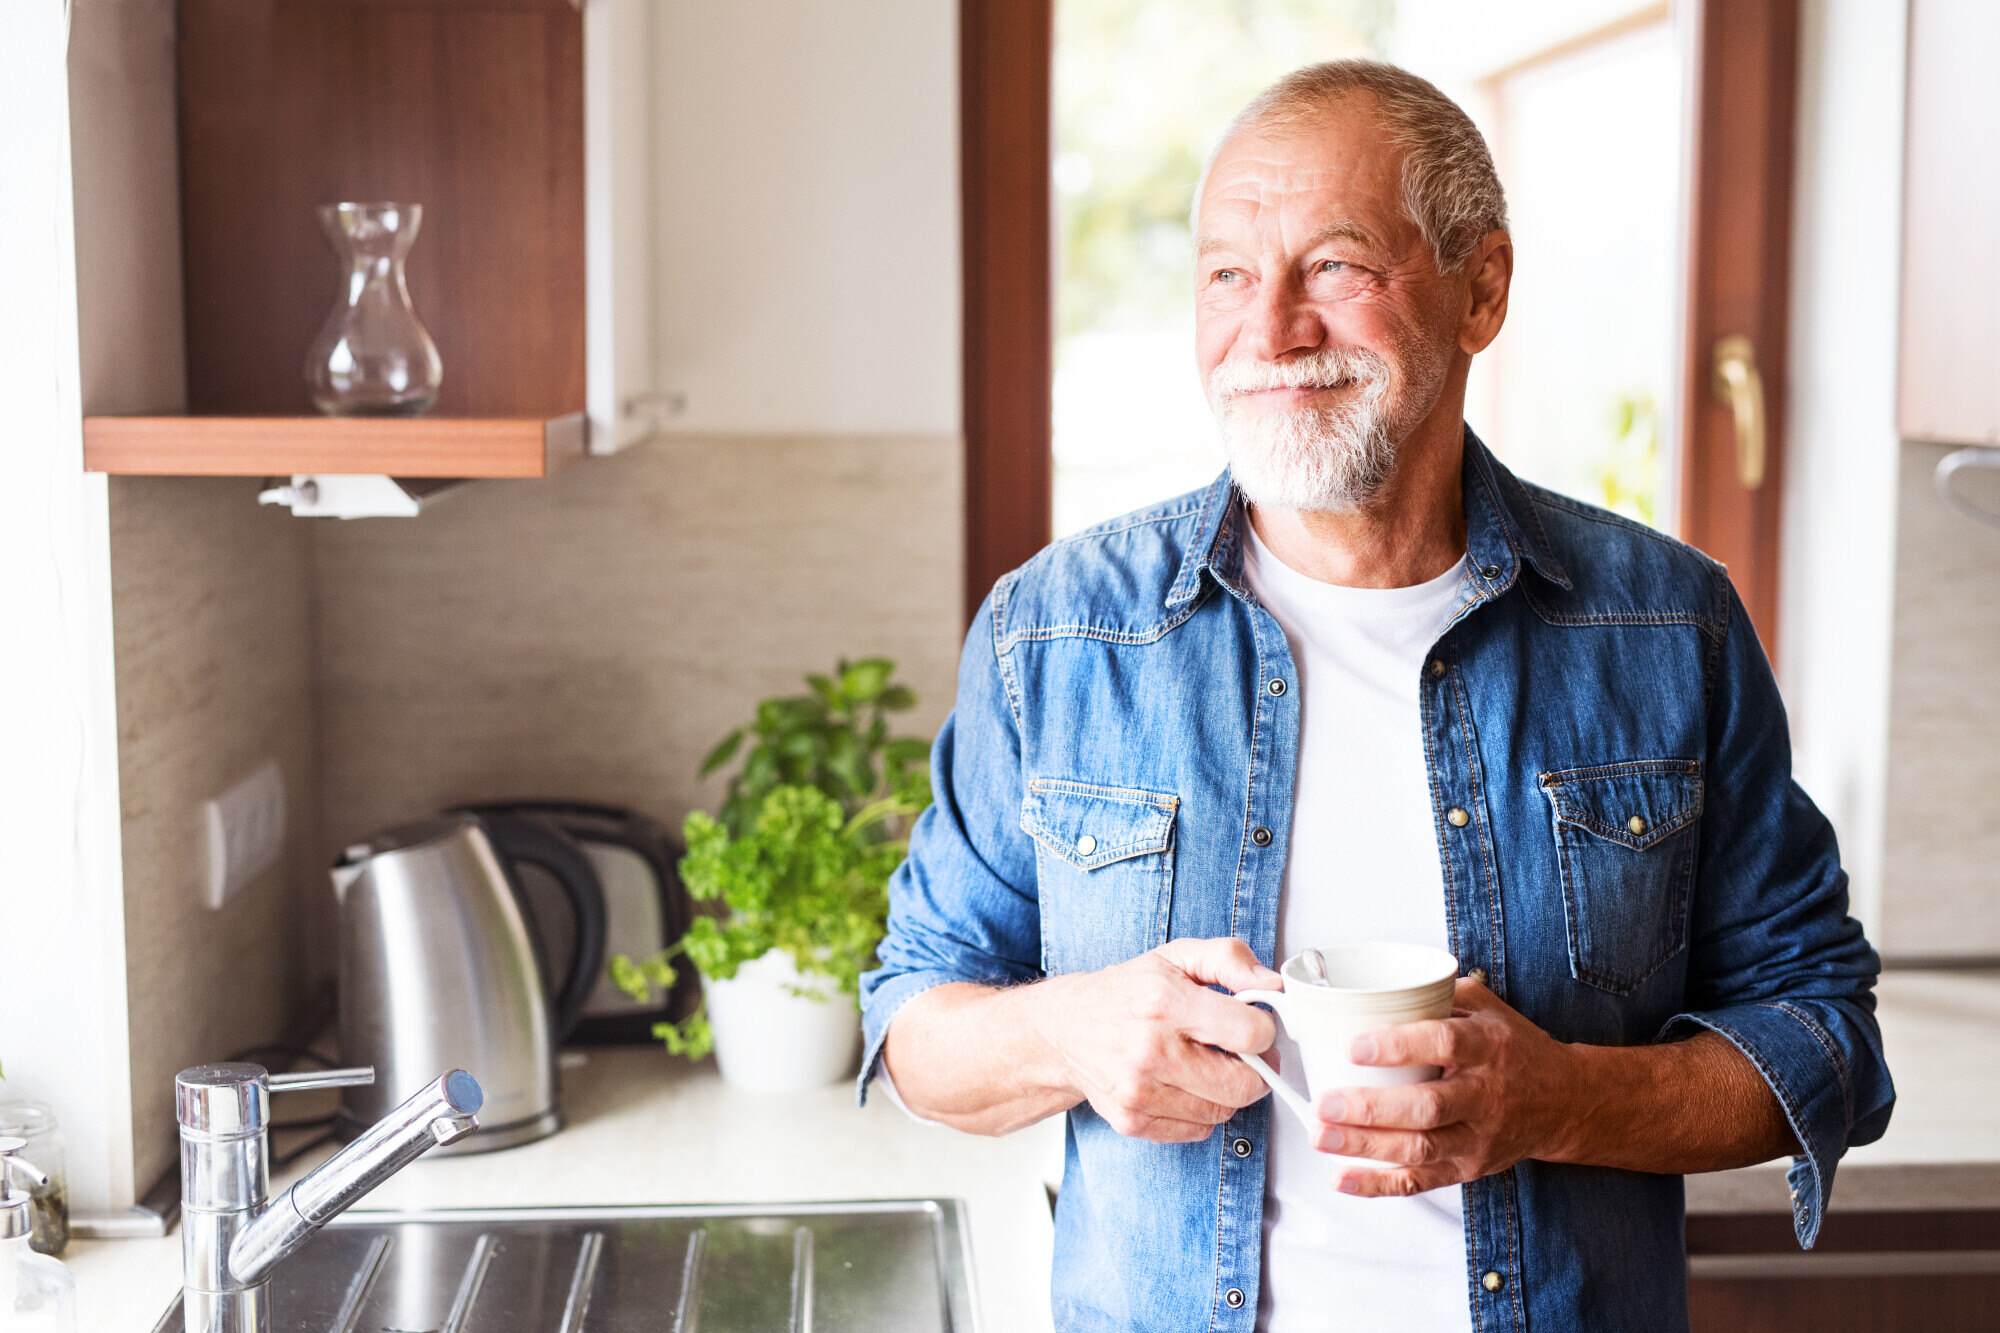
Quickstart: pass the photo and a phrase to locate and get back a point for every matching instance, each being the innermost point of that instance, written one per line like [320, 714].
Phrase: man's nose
[1282, 324]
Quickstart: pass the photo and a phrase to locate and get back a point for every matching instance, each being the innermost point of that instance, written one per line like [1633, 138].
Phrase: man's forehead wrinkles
[1264, 229]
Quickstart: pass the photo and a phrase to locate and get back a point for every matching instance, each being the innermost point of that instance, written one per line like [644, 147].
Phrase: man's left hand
[1509, 1091]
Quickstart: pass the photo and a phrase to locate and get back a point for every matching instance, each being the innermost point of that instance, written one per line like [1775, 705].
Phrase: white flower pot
[768, 1039]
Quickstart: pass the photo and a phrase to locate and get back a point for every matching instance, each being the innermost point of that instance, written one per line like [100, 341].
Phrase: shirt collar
[1501, 531]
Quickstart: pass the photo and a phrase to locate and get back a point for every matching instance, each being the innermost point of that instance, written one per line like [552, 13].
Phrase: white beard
[1334, 458]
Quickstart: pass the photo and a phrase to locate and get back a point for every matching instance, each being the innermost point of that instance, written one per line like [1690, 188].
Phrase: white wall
[62, 977]
[1837, 575]
[806, 214]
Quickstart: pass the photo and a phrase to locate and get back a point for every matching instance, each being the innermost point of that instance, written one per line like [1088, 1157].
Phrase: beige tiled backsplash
[1941, 862]
[588, 636]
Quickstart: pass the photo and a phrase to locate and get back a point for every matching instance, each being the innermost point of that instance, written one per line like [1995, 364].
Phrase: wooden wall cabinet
[519, 125]
[1948, 389]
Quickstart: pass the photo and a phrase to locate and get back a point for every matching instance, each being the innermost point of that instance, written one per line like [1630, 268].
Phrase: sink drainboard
[770, 1268]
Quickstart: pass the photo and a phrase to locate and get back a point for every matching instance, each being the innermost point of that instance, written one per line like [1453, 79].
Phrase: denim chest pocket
[1104, 866]
[1625, 838]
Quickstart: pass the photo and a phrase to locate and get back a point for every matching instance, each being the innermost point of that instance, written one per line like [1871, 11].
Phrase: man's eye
[1331, 265]
[1227, 275]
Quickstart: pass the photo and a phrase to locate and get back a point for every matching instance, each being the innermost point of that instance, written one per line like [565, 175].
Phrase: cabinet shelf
[274, 446]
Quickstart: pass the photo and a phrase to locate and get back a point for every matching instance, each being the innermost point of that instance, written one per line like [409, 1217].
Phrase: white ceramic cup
[1373, 986]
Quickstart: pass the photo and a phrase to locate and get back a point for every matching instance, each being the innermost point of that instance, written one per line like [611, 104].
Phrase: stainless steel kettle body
[438, 971]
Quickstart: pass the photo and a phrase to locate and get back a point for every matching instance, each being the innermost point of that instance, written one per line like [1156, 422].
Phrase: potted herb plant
[799, 859]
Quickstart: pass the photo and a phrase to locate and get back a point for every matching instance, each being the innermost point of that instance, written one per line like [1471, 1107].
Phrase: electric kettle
[440, 969]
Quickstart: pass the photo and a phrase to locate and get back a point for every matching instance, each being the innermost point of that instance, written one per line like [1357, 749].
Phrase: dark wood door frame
[1738, 264]
[1006, 54]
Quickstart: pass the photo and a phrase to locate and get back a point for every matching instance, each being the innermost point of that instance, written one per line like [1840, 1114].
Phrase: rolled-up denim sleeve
[962, 906]
[1777, 965]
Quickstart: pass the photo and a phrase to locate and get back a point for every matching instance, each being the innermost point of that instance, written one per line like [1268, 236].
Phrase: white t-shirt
[1362, 866]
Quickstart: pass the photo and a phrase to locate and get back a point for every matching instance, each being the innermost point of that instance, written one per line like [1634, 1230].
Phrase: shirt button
[1492, 1281]
[1437, 666]
[1457, 818]
[1235, 1298]
[1478, 974]
[1636, 824]
[1261, 836]
[1241, 1147]
[1086, 845]
[1491, 571]
[1278, 685]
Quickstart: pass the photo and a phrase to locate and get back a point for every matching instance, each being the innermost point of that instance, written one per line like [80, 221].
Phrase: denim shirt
[1625, 855]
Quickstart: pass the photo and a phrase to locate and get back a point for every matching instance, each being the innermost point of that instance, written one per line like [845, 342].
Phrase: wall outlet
[245, 832]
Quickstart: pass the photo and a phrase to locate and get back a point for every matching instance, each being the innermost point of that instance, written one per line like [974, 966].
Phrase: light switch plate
[245, 829]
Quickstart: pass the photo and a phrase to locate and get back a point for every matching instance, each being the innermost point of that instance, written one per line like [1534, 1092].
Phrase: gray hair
[1450, 189]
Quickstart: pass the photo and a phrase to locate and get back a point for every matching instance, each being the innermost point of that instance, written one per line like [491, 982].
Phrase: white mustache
[1328, 368]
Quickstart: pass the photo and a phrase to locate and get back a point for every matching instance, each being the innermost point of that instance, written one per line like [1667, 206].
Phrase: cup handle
[1280, 1089]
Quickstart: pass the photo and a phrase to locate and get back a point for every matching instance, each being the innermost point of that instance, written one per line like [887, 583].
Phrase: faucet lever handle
[12, 1166]
[321, 1078]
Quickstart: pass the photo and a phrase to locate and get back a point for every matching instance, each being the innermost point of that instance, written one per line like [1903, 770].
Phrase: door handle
[1740, 388]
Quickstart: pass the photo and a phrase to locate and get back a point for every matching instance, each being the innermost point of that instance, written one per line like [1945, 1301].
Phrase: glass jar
[48, 1209]
[373, 357]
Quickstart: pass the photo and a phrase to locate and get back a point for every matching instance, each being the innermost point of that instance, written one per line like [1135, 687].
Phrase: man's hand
[1135, 1039]
[1509, 1091]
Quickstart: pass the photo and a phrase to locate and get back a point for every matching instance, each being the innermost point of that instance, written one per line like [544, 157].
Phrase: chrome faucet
[231, 1237]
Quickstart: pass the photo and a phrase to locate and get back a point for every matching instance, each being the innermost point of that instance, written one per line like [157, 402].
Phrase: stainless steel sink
[776, 1268]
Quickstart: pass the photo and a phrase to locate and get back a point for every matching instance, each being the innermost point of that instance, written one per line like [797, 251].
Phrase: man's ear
[1491, 273]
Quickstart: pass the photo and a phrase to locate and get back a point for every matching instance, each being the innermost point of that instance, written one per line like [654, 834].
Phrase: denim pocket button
[1086, 845]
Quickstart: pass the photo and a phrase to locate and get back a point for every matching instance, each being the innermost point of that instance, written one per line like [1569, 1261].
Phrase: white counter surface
[649, 1128]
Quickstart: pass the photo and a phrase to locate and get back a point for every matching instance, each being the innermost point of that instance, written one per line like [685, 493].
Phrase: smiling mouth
[1297, 388]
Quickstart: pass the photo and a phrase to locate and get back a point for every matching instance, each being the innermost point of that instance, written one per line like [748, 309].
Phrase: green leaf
[692, 1036]
[906, 750]
[723, 752]
[770, 717]
[898, 698]
[824, 687]
[629, 977]
[865, 680]
[760, 770]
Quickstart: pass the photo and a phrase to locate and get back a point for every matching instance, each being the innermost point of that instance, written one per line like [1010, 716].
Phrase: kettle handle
[540, 845]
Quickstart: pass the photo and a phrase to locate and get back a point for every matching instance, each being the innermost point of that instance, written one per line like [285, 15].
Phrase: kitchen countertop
[645, 1127]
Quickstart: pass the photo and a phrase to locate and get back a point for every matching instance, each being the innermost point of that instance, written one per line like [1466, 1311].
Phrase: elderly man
[1369, 686]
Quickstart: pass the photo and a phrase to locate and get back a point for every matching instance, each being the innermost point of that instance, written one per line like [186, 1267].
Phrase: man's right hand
[1136, 1038]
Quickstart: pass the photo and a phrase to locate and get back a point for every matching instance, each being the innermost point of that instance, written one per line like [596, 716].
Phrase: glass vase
[373, 356]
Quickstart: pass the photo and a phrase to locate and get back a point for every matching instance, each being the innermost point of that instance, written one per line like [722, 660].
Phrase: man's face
[1324, 332]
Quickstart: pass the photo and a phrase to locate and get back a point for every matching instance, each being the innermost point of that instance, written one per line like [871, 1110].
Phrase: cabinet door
[1949, 387]
[617, 173]
[1870, 1272]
